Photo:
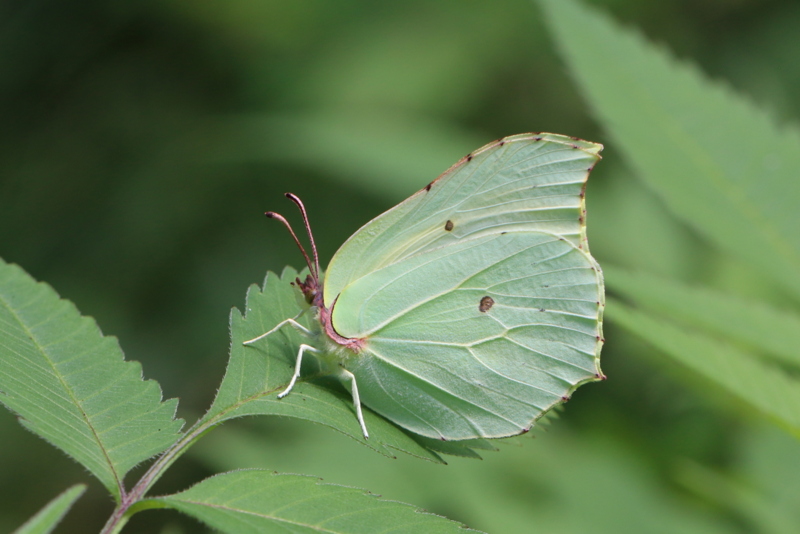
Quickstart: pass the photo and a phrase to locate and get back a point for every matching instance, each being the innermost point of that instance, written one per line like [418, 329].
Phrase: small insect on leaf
[395, 312]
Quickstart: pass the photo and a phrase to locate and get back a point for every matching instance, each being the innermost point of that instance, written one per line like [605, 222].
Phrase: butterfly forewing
[521, 183]
[476, 338]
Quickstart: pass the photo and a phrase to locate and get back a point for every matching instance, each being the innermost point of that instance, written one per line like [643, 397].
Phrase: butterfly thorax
[312, 290]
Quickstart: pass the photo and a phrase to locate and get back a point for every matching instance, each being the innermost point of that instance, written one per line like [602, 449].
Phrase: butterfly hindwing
[476, 338]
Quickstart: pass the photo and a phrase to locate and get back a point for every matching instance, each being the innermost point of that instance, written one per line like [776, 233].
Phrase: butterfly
[471, 308]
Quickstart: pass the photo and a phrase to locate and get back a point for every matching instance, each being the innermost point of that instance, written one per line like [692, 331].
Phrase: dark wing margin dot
[448, 225]
[486, 304]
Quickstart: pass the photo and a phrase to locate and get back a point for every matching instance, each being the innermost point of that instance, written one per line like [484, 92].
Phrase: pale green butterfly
[473, 307]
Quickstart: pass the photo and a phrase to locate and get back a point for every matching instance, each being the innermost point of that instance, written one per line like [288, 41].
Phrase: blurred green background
[142, 142]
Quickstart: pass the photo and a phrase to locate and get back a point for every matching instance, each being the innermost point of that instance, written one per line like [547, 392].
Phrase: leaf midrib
[46, 356]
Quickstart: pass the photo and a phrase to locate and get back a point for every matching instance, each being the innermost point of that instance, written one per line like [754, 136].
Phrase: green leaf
[48, 517]
[257, 373]
[767, 389]
[761, 327]
[718, 162]
[262, 501]
[71, 385]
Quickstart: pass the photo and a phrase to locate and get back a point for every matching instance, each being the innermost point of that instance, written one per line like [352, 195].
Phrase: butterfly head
[312, 290]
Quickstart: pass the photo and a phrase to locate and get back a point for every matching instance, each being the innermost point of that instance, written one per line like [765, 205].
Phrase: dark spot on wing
[469, 157]
[503, 233]
[428, 187]
[575, 146]
[537, 138]
[448, 226]
[541, 309]
[486, 304]
[502, 142]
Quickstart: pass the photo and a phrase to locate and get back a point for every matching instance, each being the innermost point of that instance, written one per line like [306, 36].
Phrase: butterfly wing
[477, 299]
[477, 338]
[522, 182]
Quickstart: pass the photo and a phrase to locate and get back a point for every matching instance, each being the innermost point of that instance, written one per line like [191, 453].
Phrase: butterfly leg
[297, 366]
[280, 325]
[344, 373]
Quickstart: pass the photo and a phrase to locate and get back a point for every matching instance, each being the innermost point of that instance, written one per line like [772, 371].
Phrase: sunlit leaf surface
[71, 385]
[255, 501]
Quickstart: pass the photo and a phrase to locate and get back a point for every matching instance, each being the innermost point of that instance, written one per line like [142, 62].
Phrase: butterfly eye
[486, 304]
[448, 226]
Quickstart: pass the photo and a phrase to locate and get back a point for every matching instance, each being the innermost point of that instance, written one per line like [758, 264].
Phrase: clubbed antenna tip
[294, 198]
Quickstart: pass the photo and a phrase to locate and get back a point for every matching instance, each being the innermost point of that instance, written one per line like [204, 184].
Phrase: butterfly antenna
[281, 218]
[294, 198]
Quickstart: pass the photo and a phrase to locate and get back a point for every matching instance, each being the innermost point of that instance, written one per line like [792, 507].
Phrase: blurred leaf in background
[142, 142]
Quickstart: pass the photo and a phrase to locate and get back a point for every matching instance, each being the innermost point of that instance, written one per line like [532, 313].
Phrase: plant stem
[121, 513]
[120, 516]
